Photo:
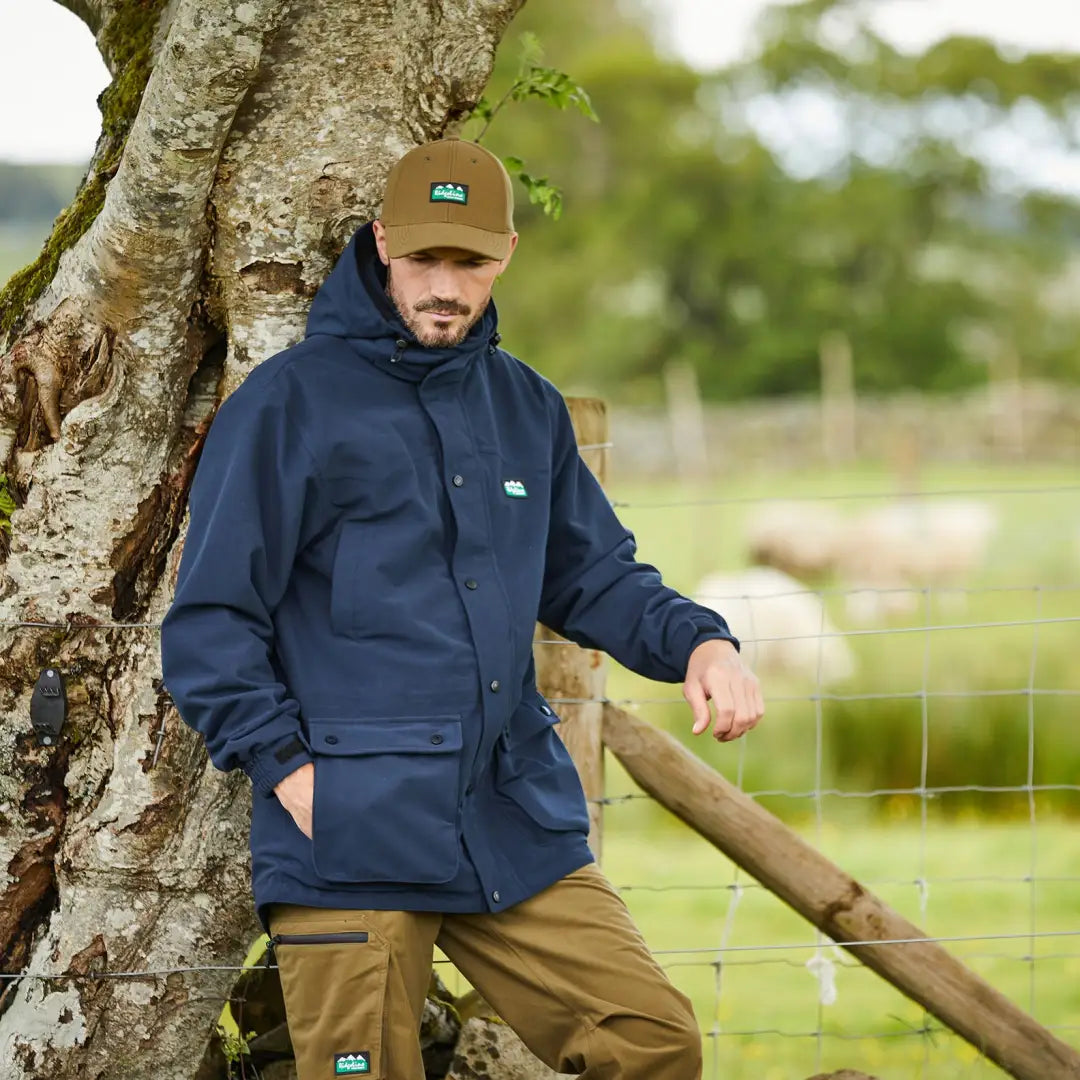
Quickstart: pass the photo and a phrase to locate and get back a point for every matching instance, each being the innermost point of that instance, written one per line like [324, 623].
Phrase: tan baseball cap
[450, 193]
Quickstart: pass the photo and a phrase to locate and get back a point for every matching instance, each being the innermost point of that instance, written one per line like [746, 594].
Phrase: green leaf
[532, 51]
[543, 194]
[514, 165]
[555, 87]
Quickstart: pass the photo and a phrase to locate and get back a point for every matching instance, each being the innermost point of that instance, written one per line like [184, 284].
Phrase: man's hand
[295, 793]
[717, 673]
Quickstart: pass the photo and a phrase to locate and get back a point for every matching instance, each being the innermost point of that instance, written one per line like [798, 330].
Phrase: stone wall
[1035, 423]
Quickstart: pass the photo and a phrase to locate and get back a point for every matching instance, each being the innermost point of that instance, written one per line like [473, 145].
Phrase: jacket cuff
[273, 762]
[711, 634]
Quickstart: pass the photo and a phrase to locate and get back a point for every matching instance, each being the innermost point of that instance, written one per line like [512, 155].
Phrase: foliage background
[687, 234]
[702, 223]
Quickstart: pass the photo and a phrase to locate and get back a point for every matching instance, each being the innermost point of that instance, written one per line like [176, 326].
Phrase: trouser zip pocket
[344, 938]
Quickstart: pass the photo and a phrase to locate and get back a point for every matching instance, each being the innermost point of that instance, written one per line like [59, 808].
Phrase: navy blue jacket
[375, 528]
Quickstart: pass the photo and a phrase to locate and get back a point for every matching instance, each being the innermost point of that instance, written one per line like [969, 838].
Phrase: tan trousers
[567, 969]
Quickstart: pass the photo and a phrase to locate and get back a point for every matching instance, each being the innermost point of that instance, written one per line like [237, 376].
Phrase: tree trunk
[216, 203]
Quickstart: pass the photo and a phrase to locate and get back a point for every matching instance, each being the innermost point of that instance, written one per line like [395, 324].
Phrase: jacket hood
[352, 303]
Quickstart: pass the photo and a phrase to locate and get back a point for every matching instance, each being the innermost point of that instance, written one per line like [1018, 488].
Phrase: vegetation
[687, 233]
[681, 892]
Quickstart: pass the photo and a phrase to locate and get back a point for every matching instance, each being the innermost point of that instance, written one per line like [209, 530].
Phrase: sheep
[799, 538]
[781, 625]
[885, 554]
[890, 552]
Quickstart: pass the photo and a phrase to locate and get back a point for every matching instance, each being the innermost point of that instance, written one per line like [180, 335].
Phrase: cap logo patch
[350, 1064]
[448, 192]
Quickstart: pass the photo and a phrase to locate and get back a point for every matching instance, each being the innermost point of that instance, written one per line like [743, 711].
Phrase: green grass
[679, 891]
[973, 739]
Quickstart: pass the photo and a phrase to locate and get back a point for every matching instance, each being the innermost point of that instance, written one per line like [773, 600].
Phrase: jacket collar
[353, 304]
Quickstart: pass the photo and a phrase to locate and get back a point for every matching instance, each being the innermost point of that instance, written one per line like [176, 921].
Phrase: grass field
[978, 852]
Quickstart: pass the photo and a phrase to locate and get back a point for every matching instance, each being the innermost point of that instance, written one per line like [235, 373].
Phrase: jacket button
[458, 480]
[494, 686]
[331, 739]
[470, 583]
[495, 896]
[545, 710]
[436, 739]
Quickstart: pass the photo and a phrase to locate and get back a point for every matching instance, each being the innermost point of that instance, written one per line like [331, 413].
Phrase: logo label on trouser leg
[350, 1064]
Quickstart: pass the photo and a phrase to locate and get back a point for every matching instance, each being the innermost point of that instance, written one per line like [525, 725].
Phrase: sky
[63, 124]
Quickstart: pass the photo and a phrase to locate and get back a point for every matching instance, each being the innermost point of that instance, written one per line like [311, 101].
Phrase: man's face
[441, 292]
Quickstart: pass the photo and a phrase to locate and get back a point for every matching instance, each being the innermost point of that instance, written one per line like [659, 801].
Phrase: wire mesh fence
[896, 778]
[984, 862]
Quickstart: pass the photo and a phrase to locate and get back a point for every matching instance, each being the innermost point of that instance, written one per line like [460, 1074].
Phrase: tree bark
[219, 195]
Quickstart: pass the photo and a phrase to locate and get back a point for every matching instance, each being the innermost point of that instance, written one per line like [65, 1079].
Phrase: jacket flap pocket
[531, 717]
[385, 735]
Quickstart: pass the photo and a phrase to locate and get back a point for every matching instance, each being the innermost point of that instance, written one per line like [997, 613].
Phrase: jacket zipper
[342, 938]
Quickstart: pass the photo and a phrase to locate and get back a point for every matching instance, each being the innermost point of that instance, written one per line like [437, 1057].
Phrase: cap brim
[409, 239]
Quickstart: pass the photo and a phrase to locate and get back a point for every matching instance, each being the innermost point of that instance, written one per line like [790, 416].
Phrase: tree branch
[149, 238]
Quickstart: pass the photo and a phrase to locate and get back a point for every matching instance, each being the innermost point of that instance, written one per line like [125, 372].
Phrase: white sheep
[884, 554]
[781, 625]
[800, 538]
[890, 552]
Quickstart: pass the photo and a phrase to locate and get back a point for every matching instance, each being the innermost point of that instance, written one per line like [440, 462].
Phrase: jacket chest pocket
[386, 795]
[534, 769]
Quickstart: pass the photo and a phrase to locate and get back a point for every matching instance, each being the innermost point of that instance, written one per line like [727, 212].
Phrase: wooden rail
[834, 902]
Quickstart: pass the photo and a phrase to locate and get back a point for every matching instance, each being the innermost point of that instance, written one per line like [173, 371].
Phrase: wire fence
[984, 883]
[1041, 936]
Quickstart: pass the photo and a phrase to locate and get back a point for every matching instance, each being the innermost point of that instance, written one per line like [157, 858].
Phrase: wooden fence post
[564, 671]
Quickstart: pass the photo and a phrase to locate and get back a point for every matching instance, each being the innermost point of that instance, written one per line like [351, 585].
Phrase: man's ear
[380, 241]
[506, 262]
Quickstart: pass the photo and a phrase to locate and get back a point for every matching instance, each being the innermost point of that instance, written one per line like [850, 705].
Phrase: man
[380, 515]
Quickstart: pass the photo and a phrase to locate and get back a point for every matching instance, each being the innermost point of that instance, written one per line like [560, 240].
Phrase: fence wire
[819, 956]
[829, 976]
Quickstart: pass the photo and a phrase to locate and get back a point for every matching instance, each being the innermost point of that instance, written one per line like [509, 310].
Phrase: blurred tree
[686, 234]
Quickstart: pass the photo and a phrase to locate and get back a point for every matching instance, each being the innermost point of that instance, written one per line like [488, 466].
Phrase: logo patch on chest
[351, 1064]
[515, 489]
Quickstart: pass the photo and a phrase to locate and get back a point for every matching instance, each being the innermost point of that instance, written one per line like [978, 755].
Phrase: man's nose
[443, 281]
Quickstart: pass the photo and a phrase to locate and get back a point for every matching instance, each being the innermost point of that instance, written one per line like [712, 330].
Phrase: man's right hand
[295, 793]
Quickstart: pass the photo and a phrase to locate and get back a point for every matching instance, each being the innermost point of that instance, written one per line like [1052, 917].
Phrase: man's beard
[438, 338]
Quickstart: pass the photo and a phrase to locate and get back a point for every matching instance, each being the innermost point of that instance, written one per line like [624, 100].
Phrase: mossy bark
[126, 41]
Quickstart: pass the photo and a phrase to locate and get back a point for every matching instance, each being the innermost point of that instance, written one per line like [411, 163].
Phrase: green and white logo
[350, 1064]
[515, 489]
[448, 192]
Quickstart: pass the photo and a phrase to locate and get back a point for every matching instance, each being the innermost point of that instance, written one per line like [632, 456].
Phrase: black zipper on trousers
[343, 938]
